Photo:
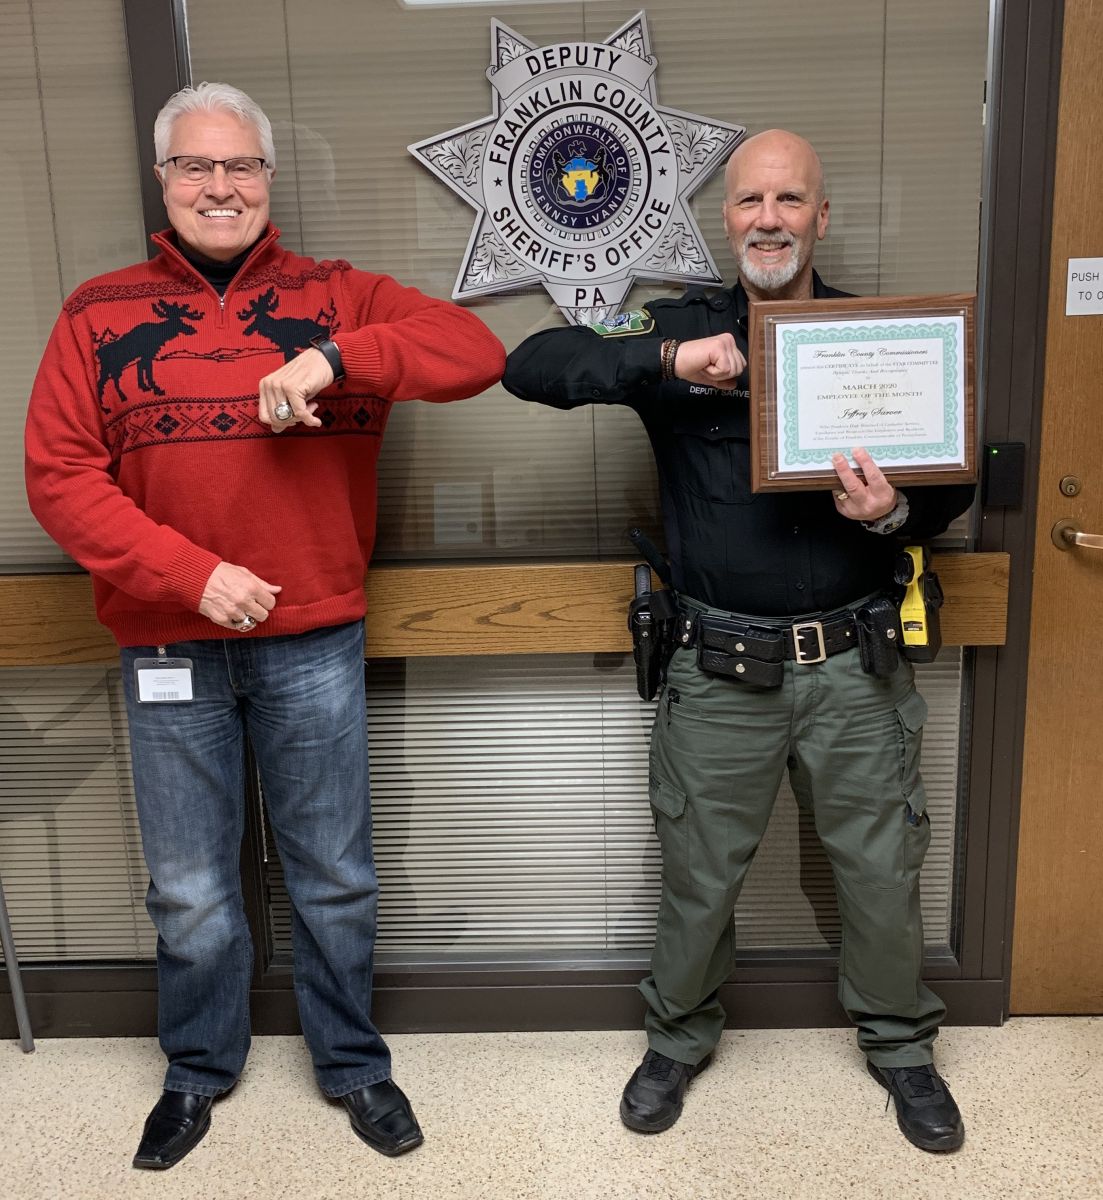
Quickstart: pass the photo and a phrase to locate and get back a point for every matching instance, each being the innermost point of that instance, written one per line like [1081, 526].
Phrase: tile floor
[781, 1115]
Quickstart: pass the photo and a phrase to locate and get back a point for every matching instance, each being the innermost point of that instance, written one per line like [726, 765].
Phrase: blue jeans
[300, 698]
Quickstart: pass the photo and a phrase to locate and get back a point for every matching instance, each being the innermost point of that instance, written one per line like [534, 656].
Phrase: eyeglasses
[199, 170]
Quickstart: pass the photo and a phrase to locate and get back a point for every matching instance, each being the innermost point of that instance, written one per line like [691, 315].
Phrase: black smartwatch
[328, 347]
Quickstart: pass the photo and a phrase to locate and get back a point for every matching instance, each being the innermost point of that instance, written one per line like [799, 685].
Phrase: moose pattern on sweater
[141, 345]
[156, 413]
[146, 341]
[291, 334]
[151, 494]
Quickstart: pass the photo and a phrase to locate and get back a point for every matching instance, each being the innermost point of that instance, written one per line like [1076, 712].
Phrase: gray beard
[768, 279]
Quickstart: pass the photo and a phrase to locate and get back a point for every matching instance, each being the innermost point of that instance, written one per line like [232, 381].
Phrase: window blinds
[888, 92]
[510, 793]
[70, 850]
[510, 814]
[70, 206]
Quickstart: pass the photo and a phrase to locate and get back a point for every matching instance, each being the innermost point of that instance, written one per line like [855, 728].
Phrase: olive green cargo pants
[851, 744]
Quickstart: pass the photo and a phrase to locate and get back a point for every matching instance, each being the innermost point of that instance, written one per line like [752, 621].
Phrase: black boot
[177, 1124]
[925, 1110]
[653, 1099]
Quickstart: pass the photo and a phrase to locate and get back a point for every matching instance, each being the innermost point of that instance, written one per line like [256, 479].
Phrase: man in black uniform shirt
[850, 740]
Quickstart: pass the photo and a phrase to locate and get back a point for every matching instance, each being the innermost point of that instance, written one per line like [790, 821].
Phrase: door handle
[1067, 534]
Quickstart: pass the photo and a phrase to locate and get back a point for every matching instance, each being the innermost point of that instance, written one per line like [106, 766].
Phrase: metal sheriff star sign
[579, 177]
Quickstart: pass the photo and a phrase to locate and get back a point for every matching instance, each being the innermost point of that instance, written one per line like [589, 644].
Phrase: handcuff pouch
[879, 637]
[742, 652]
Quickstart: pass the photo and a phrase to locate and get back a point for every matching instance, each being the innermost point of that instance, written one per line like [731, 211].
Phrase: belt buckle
[799, 652]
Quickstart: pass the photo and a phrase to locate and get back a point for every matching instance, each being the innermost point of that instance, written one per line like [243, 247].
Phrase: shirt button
[799, 586]
[714, 429]
[796, 530]
[596, 392]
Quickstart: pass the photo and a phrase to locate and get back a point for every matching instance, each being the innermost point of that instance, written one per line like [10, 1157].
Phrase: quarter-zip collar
[168, 242]
[218, 274]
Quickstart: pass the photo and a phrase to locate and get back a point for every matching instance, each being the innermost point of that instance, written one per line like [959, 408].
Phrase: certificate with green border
[892, 374]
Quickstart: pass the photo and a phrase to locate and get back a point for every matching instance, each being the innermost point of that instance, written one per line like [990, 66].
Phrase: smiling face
[221, 217]
[774, 213]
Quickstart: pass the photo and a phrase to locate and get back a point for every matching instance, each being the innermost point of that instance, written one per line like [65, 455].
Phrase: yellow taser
[919, 619]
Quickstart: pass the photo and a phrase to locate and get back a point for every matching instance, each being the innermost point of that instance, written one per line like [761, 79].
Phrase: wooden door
[1057, 963]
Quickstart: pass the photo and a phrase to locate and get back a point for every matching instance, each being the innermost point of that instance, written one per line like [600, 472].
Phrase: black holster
[651, 618]
[932, 601]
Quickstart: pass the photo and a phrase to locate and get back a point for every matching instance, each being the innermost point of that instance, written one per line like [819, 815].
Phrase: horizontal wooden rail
[551, 608]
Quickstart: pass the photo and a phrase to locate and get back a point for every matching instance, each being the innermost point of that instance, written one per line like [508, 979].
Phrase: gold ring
[841, 496]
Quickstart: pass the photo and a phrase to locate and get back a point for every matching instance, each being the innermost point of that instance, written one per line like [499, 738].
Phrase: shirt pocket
[711, 452]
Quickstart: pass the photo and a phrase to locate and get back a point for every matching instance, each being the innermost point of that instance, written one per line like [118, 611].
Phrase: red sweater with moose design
[146, 461]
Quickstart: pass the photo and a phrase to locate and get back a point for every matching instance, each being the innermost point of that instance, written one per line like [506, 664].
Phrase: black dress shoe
[653, 1099]
[176, 1125]
[925, 1110]
[381, 1116]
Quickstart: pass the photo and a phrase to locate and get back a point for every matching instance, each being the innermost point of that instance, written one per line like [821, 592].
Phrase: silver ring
[245, 624]
[283, 411]
[842, 496]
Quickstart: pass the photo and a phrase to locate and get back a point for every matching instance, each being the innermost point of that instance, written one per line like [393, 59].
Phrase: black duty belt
[732, 640]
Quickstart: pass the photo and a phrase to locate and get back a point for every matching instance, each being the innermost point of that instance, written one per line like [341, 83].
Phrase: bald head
[779, 150]
[775, 211]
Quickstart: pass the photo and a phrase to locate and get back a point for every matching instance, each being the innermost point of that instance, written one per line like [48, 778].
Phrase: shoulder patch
[626, 324]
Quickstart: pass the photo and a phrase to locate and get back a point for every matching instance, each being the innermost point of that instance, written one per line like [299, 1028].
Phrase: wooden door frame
[768, 988]
[1057, 955]
[1024, 87]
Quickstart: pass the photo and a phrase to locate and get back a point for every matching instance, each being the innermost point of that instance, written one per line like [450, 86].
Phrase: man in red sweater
[202, 437]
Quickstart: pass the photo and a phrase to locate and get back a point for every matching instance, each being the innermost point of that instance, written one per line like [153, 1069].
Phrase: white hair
[212, 97]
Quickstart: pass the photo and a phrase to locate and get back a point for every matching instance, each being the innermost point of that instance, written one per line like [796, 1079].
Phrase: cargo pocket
[911, 714]
[668, 805]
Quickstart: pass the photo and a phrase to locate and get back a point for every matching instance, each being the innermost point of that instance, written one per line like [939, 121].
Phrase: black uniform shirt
[771, 554]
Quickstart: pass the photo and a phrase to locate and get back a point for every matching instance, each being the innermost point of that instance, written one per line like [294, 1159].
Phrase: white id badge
[163, 680]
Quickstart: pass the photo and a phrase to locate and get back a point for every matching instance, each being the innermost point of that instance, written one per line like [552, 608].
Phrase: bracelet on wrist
[667, 356]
